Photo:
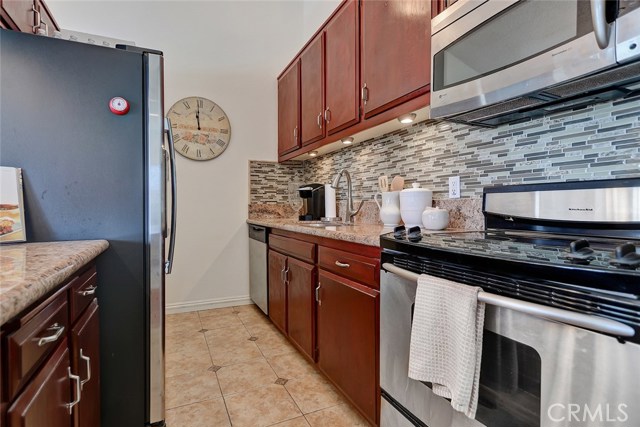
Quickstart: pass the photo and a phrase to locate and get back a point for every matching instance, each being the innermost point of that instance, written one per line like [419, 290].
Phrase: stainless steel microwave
[504, 61]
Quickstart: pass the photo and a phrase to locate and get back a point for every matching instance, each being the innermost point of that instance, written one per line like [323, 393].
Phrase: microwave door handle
[595, 323]
[174, 189]
[601, 28]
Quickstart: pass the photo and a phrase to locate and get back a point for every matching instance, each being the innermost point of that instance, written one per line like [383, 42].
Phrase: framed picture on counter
[11, 206]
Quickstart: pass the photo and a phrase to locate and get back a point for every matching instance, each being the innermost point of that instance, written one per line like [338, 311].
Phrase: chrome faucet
[350, 212]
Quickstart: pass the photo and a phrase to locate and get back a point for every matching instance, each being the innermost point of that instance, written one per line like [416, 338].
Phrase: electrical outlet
[454, 187]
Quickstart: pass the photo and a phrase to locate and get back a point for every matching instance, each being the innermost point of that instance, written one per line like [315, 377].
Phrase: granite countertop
[365, 234]
[28, 271]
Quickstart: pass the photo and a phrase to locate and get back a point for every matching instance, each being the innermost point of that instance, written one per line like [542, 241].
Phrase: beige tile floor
[231, 367]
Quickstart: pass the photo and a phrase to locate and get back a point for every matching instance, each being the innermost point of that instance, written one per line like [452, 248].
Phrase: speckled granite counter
[30, 270]
[365, 234]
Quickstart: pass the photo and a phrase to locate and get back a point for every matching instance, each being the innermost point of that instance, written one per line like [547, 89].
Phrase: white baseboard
[182, 307]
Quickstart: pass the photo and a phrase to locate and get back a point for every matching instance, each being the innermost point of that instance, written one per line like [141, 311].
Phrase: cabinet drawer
[82, 292]
[297, 248]
[35, 340]
[350, 265]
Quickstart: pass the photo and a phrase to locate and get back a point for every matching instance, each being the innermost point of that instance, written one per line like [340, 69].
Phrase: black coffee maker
[313, 202]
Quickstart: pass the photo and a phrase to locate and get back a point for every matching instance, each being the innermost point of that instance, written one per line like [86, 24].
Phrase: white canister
[435, 218]
[390, 208]
[413, 201]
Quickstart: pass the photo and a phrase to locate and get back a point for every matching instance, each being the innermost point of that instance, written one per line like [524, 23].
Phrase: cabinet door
[277, 290]
[312, 91]
[342, 82]
[347, 335]
[19, 14]
[396, 58]
[289, 110]
[85, 349]
[301, 293]
[42, 402]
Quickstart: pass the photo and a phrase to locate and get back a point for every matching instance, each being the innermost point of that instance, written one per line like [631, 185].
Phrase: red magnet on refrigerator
[119, 106]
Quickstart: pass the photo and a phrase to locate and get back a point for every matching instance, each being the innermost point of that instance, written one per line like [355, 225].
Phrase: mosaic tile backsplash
[597, 142]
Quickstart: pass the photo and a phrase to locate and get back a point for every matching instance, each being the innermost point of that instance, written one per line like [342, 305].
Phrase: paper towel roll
[329, 201]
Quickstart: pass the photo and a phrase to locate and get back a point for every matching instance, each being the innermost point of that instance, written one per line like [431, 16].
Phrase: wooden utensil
[397, 183]
[383, 183]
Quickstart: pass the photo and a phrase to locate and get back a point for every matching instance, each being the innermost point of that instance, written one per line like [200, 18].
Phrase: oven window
[509, 383]
[525, 30]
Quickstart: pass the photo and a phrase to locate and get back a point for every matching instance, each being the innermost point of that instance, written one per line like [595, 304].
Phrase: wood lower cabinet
[396, 46]
[291, 297]
[289, 110]
[277, 290]
[342, 105]
[44, 401]
[50, 358]
[85, 353]
[347, 336]
[301, 283]
[326, 292]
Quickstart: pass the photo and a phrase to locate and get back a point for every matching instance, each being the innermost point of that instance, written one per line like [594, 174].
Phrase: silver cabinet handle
[88, 362]
[168, 265]
[59, 329]
[282, 279]
[76, 378]
[319, 120]
[594, 323]
[327, 115]
[295, 134]
[286, 277]
[365, 94]
[601, 28]
[318, 294]
[89, 291]
[342, 264]
[36, 12]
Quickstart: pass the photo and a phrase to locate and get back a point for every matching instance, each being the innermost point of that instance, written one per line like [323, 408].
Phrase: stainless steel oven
[561, 340]
[498, 61]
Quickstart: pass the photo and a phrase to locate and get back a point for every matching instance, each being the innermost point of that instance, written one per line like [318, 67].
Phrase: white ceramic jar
[413, 201]
[435, 218]
[390, 208]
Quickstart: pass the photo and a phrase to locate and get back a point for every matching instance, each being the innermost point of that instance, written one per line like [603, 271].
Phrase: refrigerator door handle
[174, 189]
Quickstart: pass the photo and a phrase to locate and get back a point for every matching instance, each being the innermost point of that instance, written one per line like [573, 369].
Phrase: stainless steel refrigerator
[90, 173]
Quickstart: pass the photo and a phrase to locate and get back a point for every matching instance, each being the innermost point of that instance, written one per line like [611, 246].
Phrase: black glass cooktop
[595, 253]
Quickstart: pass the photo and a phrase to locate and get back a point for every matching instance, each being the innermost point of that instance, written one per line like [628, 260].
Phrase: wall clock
[201, 129]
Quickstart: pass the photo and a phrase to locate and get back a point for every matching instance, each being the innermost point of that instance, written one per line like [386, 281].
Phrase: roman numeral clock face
[201, 129]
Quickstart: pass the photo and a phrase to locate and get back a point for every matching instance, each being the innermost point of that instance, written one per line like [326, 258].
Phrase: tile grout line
[226, 408]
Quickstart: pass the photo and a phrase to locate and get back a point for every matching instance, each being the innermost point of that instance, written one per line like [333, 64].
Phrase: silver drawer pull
[59, 330]
[342, 264]
[88, 362]
[76, 378]
[89, 291]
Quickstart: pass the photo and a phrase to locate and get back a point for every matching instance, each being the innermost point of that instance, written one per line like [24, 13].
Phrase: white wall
[231, 53]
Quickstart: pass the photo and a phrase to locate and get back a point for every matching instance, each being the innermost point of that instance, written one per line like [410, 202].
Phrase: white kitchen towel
[446, 340]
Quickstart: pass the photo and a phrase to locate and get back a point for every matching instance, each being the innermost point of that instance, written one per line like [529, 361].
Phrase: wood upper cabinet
[43, 402]
[396, 46]
[277, 290]
[301, 281]
[27, 16]
[289, 110]
[342, 107]
[85, 355]
[312, 92]
[347, 337]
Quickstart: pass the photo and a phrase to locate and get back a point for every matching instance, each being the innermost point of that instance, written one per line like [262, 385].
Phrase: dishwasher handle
[595, 323]
[258, 233]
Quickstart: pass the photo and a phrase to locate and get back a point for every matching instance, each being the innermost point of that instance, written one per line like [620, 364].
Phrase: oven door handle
[595, 323]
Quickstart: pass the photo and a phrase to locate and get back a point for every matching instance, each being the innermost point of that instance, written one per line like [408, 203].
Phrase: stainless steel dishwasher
[258, 268]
